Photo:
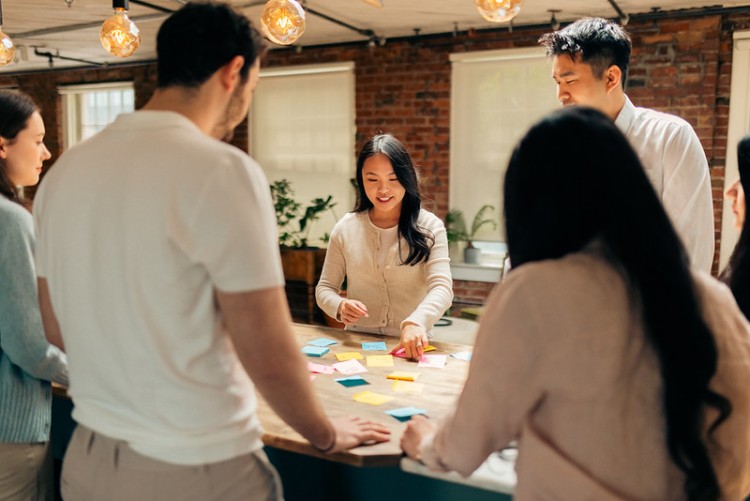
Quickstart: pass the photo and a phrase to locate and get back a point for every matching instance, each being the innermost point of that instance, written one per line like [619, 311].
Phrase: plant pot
[472, 255]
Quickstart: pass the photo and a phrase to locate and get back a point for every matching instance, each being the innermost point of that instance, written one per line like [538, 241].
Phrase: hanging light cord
[1, 13]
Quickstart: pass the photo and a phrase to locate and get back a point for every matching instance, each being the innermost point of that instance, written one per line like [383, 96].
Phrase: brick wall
[680, 65]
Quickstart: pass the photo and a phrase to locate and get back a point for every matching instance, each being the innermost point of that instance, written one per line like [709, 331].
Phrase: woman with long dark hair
[393, 253]
[27, 361]
[620, 374]
[737, 272]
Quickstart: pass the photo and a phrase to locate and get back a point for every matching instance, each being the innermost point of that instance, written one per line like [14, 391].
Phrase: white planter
[472, 255]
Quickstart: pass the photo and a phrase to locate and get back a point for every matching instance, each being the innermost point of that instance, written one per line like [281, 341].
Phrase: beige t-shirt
[136, 229]
[561, 365]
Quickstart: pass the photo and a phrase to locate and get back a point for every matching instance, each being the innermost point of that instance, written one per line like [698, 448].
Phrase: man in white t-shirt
[590, 65]
[160, 276]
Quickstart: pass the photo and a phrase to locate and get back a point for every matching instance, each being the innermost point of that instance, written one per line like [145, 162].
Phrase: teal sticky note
[323, 341]
[351, 381]
[314, 351]
[405, 413]
[374, 346]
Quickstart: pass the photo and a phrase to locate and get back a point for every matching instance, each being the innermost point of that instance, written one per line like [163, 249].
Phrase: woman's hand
[416, 429]
[413, 341]
[351, 310]
[354, 431]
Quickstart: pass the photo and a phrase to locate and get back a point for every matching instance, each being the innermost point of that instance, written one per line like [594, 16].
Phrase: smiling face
[382, 187]
[577, 84]
[736, 194]
[24, 154]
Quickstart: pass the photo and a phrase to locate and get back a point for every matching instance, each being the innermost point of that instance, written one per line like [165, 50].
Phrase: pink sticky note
[350, 367]
[320, 368]
[434, 361]
[401, 353]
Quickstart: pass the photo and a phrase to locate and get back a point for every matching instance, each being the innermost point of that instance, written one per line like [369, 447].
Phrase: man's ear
[230, 73]
[613, 77]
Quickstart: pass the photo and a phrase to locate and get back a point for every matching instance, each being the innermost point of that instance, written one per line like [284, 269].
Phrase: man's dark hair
[598, 42]
[202, 37]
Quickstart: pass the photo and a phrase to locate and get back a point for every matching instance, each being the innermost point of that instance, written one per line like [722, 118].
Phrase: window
[302, 130]
[87, 109]
[495, 97]
[739, 124]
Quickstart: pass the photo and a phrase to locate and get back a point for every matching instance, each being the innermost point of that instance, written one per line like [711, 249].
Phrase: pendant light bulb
[7, 48]
[119, 35]
[283, 21]
[498, 11]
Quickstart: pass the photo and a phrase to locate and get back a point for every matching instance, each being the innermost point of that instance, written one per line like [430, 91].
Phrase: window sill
[476, 272]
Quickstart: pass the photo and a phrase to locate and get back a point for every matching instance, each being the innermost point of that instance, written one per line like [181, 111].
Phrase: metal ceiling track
[56, 55]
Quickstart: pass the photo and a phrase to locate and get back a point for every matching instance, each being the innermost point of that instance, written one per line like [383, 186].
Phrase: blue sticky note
[374, 346]
[405, 413]
[351, 381]
[462, 355]
[323, 341]
[314, 351]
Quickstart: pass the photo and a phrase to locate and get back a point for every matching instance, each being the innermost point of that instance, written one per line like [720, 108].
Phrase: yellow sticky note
[368, 397]
[403, 375]
[407, 387]
[349, 355]
[429, 347]
[380, 361]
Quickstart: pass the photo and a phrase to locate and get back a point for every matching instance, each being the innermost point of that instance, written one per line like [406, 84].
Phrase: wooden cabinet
[302, 269]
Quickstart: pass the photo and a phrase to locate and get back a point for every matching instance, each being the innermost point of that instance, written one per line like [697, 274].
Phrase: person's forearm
[259, 324]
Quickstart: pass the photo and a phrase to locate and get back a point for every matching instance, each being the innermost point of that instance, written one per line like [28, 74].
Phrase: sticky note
[434, 361]
[405, 413]
[407, 387]
[403, 375]
[368, 397]
[320, 368]
[462, 355]
[323, 341]
[350, 367]
[349, 355]
[401, 353]
[374, 346]
[380, 361]
[314, 351]
[352, 381]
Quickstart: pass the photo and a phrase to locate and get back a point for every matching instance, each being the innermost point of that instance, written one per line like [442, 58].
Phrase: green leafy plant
[293, 221]
[458, 231]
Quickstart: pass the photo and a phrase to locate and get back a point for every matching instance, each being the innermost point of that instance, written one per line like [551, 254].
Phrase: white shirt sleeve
[233, 230]
[687, 195]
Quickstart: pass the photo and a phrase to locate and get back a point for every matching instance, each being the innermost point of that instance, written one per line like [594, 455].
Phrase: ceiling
[52, 26]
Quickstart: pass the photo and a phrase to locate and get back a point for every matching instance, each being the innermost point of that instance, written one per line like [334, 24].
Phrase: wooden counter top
[441, 388]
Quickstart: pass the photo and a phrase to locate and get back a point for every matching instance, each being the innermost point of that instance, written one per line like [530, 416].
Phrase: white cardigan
[394, 293]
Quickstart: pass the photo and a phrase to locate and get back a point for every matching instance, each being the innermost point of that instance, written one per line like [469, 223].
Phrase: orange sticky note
[349, 355]
[403, 375]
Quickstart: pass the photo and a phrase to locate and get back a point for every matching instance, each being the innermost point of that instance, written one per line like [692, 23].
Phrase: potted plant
[300, 261]
[457, 231]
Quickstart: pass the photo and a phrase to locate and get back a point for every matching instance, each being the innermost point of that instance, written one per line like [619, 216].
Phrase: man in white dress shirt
[590, 67]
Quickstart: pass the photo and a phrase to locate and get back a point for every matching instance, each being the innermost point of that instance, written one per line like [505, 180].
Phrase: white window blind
[302, 130]
[495, 97]
[87, 109]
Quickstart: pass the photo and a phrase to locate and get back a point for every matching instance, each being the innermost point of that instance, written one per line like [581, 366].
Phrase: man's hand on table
[353, 431]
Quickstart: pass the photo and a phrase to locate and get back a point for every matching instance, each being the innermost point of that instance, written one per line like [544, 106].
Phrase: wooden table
[441, 388]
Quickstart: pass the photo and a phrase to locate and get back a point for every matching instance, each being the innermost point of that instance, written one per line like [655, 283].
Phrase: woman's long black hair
[574, 179]
[15, 110]
[420, 241]
[737, 273]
